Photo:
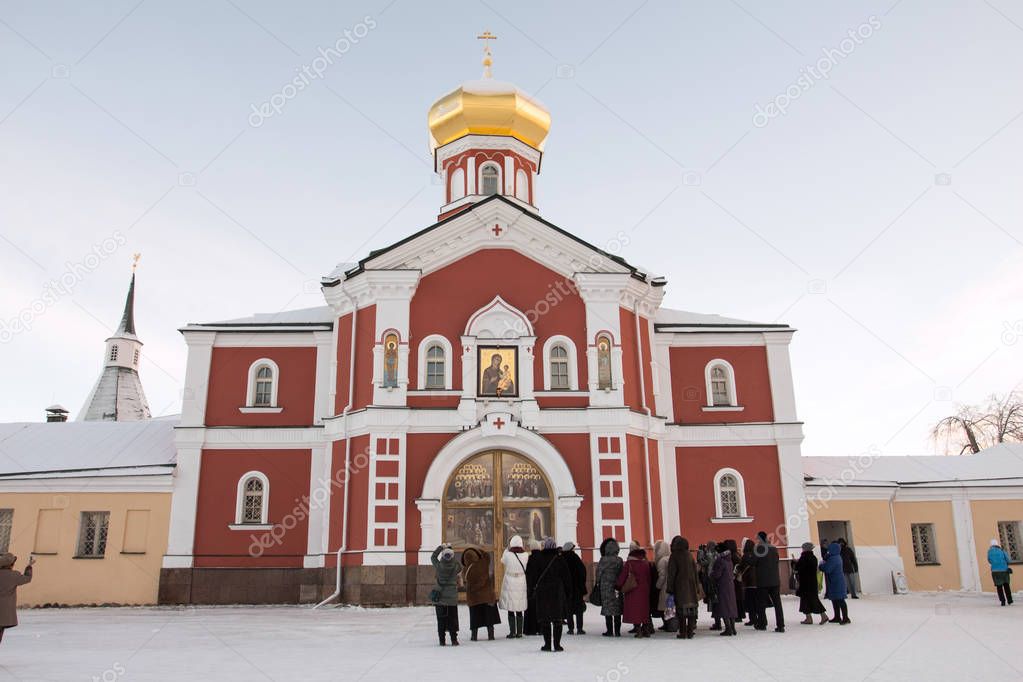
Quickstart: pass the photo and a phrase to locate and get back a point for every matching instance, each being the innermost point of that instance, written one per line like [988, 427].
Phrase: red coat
[637, 601]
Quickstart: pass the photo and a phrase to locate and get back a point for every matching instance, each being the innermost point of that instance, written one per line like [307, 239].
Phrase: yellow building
[930, 518]
[91, 501]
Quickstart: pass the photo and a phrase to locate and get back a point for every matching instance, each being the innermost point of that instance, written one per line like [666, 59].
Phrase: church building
[429, 400]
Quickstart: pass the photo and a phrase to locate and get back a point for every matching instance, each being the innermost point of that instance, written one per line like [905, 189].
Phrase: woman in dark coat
[10, 580]
[605, 580]
[748, 578]
[721, 574]
[637, 600]
[553, 587]
[577, 597]
[806, 589]
[834, 577]
[740, 602]
[479, 592]
[445, 592]
[705, 557]
[682, 584]
[530, 626]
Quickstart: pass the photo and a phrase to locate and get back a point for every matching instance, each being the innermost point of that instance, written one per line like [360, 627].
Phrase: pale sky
[879, 215]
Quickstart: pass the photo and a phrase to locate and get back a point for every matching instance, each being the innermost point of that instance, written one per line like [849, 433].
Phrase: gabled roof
[668, 320]
[303, 319]
[339, 273]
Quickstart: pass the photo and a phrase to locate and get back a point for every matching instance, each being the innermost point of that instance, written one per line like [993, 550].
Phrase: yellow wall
[117, 578]
[869, 520]
[986, 515]
[944, 576]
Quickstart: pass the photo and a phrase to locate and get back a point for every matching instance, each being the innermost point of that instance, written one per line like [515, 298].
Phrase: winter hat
[634, 547]
[448, 554]
[994, 542]
[807, 547]
[7, 560]
[568, 547]
[548, 543]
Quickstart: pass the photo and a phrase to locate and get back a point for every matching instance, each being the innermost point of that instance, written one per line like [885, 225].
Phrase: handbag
[630, 583]
[595, 597]
[434, 595]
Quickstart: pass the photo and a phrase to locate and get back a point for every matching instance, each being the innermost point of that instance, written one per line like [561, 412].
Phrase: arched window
[491, 179]
[113, 353]
[604, 363]
[729, 494]
[264, 378]
[435, 367]
[720, 384]
[391, 361]
[521, 185]
[457, 184]
[560, 365]
[253, 495]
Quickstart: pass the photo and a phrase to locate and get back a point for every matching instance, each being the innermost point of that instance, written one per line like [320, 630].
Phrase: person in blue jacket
[835, 589]
[1000, 571]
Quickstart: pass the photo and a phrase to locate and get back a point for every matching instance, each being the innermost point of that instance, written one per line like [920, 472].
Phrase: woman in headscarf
[531, 627]
[445, 593]
[514, 597]
[748, 577]
[806, 586]
[635, 582]
[662, 553]
[740, 602]
[10, 580]
[608, 568]
[479, 592]
[683, 585]
[705, 557]
[553, 586]
[577, 597]
[836, 591]
[721, 574]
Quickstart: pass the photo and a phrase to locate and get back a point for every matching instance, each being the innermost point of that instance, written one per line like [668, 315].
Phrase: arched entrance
[493, 496]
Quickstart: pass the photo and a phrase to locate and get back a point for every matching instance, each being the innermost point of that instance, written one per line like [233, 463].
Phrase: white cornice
[696, 435]
[150, 483]
[487, 143]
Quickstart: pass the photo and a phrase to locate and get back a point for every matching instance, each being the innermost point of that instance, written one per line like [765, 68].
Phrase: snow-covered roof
[998, 465]
[319, 315]
[28, 448]
[666, 319]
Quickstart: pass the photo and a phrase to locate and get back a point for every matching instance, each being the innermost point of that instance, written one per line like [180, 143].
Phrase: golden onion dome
[488, 107]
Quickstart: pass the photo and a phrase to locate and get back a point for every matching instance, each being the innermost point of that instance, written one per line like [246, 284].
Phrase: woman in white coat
[513, 587]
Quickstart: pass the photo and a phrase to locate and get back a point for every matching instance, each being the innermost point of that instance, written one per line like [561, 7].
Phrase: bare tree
[975, 427]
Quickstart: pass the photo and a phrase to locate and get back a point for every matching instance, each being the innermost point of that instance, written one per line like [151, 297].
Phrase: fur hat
[807, 547]
[634, 546]
[548, 543]
[7, 560]
[568, 546]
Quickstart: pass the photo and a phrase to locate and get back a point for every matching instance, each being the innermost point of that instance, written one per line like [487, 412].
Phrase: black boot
[454, 639]
[557, 637]
[618, 626]
[609, 626]
[440, 634]
[717, 625]
[511, 625]
[519, 623]
[570, 622]
[546, 637]
[490, 633]
[473, 637]
[726, 631]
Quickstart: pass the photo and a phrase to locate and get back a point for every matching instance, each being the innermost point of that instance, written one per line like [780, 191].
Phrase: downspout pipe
[348, 455]
[646, 436]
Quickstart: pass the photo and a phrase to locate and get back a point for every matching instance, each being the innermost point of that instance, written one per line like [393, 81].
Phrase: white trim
[275, 380]
[733, 400]
[731, 519]
[741, 484]
[457, 178]
[250, 526]
[260, 410]
[425, 345]
[573, 363]
[722, 408]
[239, 508]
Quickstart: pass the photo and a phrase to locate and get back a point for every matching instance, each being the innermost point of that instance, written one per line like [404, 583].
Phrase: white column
[962, 519]
[779, 369]
[790, 468]
[197, 376]
[322, 405]
[470, 175]
[509, 176]
[181, 534]
[429, 524]
[602, 295]
[320, 490]
[668, 468]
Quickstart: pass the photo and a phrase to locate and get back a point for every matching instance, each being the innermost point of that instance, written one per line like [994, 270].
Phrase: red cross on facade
[499, 422]
[497, 230]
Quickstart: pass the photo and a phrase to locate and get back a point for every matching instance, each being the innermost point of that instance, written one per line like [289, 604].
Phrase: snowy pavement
[924, 636]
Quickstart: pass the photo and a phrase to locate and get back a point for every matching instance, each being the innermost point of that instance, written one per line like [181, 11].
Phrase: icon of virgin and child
[498, 379]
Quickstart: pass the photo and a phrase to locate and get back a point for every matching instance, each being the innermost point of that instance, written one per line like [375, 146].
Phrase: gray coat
[608, 568]
[447, 578]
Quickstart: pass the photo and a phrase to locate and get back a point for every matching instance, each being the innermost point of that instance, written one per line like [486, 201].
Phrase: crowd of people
[544, 590]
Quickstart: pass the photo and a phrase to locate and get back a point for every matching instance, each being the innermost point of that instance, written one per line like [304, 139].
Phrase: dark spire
[127, 325]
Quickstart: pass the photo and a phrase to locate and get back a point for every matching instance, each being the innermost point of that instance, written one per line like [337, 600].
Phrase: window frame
[708, 370]
[250, 391]
[740, 482]
[264, 513]
[497, 174]
[572, 359]
[456, 184]
[102, 537]
[1018, 530]
[932, 538]
[6, 528]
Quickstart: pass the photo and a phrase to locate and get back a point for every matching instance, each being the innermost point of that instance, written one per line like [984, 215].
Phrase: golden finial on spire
[486, 37]
[135, 261]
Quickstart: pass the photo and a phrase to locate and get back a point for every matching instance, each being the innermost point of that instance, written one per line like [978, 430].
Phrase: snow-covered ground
[925, 636]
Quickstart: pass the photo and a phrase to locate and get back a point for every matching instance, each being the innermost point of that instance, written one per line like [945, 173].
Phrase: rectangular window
[136, 531]
[1008, 535]
[92, 534]
[6, 521]
[924, 551]
[47, 531]
[559, 375]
